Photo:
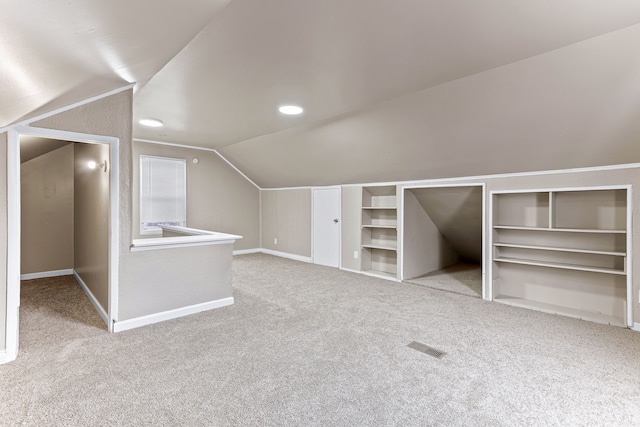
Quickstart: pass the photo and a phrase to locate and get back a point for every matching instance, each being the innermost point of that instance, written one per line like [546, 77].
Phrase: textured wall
[3, 239]
[110, 116]
[218, 197]
[286, 216]
[46, 197]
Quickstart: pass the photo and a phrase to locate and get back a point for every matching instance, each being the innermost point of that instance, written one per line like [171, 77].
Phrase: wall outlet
[275, 241]
[355, 254]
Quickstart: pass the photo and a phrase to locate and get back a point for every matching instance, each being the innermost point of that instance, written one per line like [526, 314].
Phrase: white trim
[629, 258]
[144, 229]
[114, 196]
[137, 322]
[636, 327]
[92, 298]
[193, 147]
[486, 287]
[486, 284]
[6, 357]
[308, 187]
[135, 247]
[628, 231]
[247, 251]
[190, 237]
[559, 189]
[286, 255]
[420, 182]
[236, 169]
[45, 274]
[400, 232]
[13, 245]
[372, 274]
[43, 116]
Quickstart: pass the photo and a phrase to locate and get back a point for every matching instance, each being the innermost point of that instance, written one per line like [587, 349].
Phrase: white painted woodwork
[379, 242]
[565, 252]
[327, 226]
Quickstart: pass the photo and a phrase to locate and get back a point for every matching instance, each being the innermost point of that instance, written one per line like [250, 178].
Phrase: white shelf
[389, 227]
[561, 310]
[562, 230]
[381, 274]
[551, 248]
[388, 208]
[384, 248]
[561, 265]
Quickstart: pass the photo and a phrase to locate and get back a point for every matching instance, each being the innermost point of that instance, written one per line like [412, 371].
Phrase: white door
[326, 226]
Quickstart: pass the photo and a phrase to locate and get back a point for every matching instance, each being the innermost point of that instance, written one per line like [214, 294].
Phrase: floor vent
[438, 354]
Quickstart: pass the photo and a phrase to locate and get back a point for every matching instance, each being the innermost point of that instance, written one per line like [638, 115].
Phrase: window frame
[155, 229]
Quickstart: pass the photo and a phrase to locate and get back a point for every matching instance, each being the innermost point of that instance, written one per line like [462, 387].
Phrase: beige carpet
[312, 346]
[464, 279]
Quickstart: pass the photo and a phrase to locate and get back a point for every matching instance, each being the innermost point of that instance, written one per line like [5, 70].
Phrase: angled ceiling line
[27, 122]
[193, 147]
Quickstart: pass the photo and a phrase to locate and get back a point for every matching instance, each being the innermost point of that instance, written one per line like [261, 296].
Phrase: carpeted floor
[464, 279]
[306, 345]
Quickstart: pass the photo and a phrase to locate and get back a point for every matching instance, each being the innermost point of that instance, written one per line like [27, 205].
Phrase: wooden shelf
[561, 230]
[384, 248]
[560, 265]
[551, 248]
[561, 310]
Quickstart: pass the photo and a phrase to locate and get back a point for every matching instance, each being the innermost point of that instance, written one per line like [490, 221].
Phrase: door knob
[335, 220]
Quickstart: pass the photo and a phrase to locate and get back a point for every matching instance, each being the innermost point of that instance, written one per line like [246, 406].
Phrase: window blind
[163, 191]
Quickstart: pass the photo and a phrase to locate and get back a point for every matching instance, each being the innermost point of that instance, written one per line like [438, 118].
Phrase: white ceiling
[403, 89]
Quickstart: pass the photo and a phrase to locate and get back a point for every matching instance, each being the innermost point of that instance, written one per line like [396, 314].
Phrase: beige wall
[425, 248]
[351, 227]
[218, 197]
[91, 213]
[149, 281]
[286, 216]
[351, 236]
[46, 195]
[3, 240]
[168, 279]
[110, 116]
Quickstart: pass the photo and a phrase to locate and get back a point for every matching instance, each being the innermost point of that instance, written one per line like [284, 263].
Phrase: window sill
[182, 237]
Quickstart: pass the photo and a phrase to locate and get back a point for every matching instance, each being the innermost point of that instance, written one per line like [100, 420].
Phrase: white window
[163, 192]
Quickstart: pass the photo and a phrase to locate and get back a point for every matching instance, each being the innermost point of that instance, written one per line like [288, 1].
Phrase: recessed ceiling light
[290, 109]
[154, 123]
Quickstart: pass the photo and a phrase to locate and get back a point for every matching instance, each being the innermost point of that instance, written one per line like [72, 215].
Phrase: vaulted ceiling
[392, 90]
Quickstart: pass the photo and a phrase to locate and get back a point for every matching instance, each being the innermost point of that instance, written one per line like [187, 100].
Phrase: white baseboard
[137, 322]
[92, 298]
[247, 251]
[286, 255]
[44, 274]
[636, 327]
[6, 358]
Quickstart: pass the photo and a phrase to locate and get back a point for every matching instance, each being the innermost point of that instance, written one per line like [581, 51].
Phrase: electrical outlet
[275, 241]
[355, 254]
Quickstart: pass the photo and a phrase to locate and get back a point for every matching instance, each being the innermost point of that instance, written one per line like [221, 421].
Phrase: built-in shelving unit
[379, 231]
[564, 252]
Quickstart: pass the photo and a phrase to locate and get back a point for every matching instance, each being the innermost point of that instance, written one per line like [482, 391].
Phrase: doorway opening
[62, 216]
[443, 238]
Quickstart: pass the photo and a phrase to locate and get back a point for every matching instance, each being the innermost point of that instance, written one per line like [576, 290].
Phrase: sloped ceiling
[457, 213]
[33, 146]
[392, 90]
[57, 52]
